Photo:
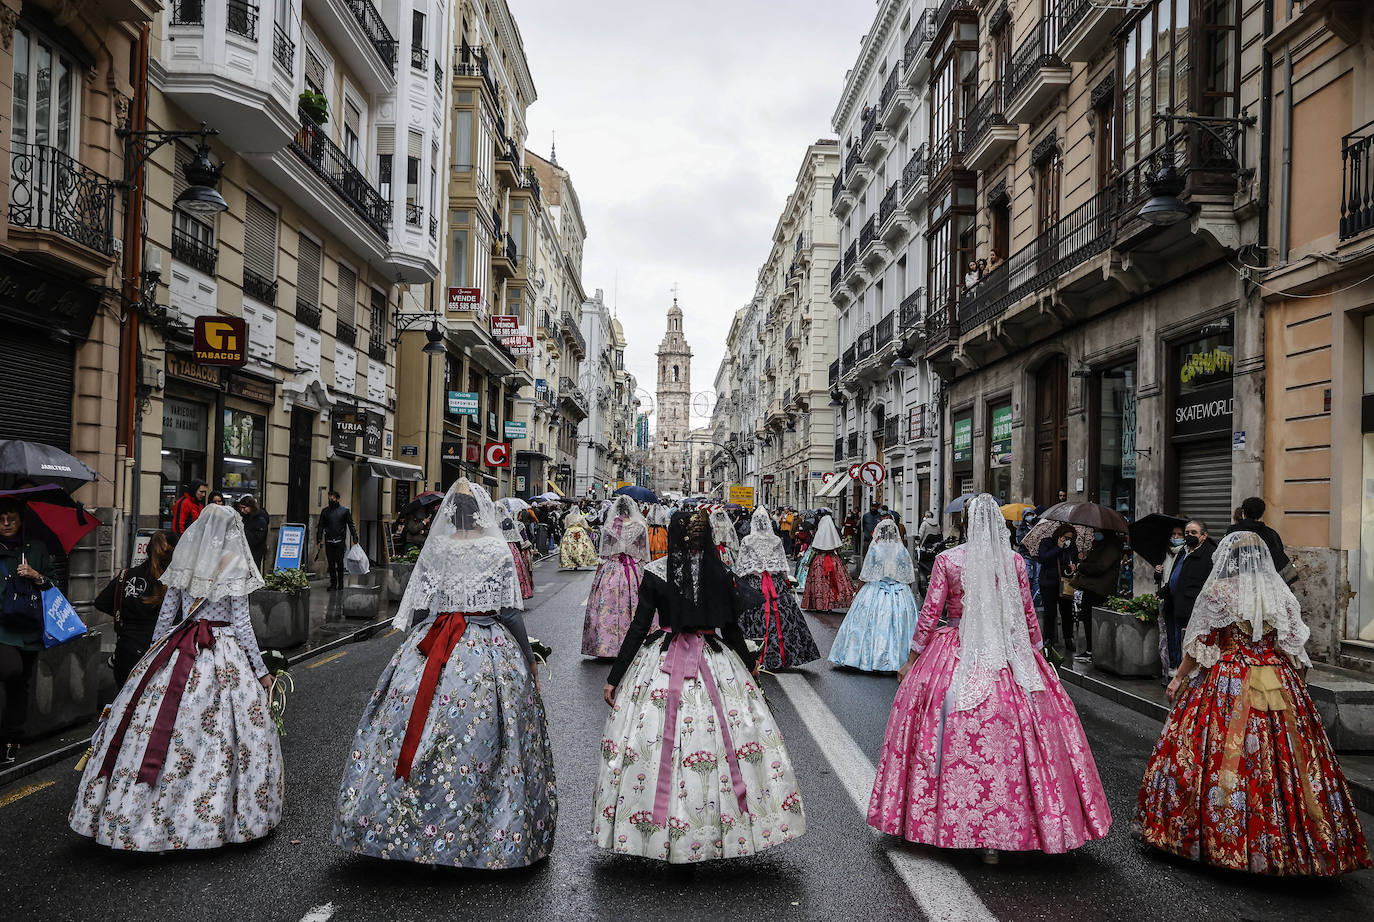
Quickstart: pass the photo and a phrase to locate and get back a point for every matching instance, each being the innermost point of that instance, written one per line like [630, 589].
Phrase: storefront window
[184, 438]
[243, 448]
[999, 452]
[1116, 420]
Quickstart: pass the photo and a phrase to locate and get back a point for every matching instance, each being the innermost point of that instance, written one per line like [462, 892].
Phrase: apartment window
[458, 258]
[314, 72]
[309, 258]
[1105, 141]
[378, 314]
[1048, 177]
[347, 304]
[352, 119]
[1001, 52]
[386, 148]
[193, 236]
[462, 139]
[259, 250]
[999, 213]
[417, 39]
[1220, 56]
[46, 92]
[414, 151]
[1155, 69]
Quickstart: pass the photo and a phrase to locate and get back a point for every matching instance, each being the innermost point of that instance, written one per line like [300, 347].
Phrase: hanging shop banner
[914, 421]
[768, 478]
[1001, 436]
[462, 403]
[345, 426]
[742, 495]
[496, 454]
[372, 433]
[221, 341]
[963, 443]
[464, 300]
[520, 344]
[451, 452]
[515, 430]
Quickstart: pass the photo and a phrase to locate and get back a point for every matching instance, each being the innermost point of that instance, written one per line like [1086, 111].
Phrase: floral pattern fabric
[1013, 773]
[828, 585]
[522, 571]
[704, 820]
[787, 641]
[222, 780]
[576, 550]
[611, 605]
[876, 632]
[481, 791]
[1243, 775]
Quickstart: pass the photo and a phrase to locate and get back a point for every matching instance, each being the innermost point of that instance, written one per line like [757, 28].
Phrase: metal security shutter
[348, 294]
[308, 271]
[260, 239]
[1204, 483]
[35, 388]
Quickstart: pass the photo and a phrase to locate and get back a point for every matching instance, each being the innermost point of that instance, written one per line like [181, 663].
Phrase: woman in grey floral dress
[451, 764]
[189, 756]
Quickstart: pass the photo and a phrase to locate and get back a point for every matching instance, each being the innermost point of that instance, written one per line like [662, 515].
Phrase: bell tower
[673, 404]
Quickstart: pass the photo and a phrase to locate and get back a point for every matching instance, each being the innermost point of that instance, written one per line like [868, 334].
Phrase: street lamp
[1165, 207]
[434, 345]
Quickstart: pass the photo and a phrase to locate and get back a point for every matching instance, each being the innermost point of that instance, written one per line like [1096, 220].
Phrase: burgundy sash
[443, 635]
[188, 640]
[772, 615]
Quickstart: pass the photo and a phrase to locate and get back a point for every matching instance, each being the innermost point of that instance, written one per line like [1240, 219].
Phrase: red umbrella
[52, 516]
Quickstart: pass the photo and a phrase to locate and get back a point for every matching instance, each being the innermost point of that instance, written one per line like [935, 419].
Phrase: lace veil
[212, 560]
[723, 531]
[625, 531]
[827, 538]
[993, 634]
[659, 515]
[508, 529]
[466, 564]
[887, 556]
[1243, 588]
[761, 550]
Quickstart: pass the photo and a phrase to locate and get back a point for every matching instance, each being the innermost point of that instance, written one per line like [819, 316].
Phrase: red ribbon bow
[443, 635]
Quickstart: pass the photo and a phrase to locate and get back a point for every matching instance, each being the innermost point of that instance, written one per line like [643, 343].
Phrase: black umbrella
[1093, 515]
[425, 500]
[20, 460]
[1150, 535]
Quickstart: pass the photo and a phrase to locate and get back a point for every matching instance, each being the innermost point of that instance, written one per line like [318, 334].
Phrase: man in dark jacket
[333, 526]
[187, 507]
[1251, 514]
[1185, 582]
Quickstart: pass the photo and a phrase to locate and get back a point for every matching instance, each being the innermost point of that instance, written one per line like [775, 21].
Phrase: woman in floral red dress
[828, 585]
[1243, 776]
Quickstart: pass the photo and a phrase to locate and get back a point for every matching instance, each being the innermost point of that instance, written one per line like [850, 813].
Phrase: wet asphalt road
[839, 870]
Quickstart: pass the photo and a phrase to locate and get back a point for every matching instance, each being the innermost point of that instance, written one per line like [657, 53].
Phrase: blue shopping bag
[60, 621]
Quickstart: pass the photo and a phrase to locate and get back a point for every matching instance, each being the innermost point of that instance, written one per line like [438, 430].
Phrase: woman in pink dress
[983, 749]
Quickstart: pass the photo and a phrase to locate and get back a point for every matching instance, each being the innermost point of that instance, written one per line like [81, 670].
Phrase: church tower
[673, 404]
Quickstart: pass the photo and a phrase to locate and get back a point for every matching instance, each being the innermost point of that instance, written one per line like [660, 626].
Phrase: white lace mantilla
[887, 556]
[212, 560]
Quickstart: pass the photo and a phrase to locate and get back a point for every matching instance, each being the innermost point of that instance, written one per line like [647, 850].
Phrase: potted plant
[280, 611]
[398, 572]
[314, 106]
[1126, 636]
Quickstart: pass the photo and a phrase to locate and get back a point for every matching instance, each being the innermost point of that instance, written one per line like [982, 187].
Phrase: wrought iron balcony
[839, 449]
[376, 347]
[851, 159]
[472, 62]
[260, 287]
[986, 112]
[834, 377]
[415, 214]
[345, 333]
[888, 207]
[1039, 49]
[863, 346]
[433, 228]
[188, 12]
[1357, 181]
[870, 123]
[836, 275]
[374, 27]
[941, 326]
[572, 332]
[330, 163]
[242, 18]
[50, 190]
[920, 36]
[867, 232]
[853, 444]
[888, 91]
[909, 315]
[848, 359]
[307, 314]
[882, 333]
[915, 170]
[195, 253]
[947, 151]
[419, 57]
[851, 253]
[283, 48]
[891, 432]
[438, 77]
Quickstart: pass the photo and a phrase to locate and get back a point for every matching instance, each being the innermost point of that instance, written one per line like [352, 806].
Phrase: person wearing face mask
[22, 558]
[333, 527]
[1185, 581]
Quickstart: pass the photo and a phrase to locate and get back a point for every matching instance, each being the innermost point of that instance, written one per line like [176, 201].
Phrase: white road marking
[938, 889]
[319, 913]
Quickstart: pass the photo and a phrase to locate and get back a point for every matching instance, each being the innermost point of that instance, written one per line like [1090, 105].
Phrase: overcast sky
[683, 126]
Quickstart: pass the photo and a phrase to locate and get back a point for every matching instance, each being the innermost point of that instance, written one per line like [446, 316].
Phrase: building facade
[881, 196]
[594, 466]
[673, 404]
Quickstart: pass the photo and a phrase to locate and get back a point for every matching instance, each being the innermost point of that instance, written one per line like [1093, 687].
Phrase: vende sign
[504, 325]
[461, 300]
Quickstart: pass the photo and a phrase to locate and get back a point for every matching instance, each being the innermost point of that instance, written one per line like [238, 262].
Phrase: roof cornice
[868, 54]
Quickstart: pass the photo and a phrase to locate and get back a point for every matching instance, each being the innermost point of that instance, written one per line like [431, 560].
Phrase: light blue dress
[803, 565]
[876, 633]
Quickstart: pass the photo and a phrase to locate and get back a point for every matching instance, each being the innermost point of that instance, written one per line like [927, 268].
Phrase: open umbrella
[20, 460]
[1012, 512]
[52, 516]
[549, 497]
[512, 504]
[1093, 515]
[1150, 535]
[1083, 536]
[957, 506]
[638, 494]
[425, 500]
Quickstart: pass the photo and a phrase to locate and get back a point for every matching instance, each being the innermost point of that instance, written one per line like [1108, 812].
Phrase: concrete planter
[1124, 645]
[68, 685]
[397, 578]
[363, 597]
[281, 620]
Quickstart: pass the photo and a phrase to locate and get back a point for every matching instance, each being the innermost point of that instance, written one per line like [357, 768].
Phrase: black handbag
[21, 604]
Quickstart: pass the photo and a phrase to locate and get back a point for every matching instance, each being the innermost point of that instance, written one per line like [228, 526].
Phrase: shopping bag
[60, 621]
[355, 561]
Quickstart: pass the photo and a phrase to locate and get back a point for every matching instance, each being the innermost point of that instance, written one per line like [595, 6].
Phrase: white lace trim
[761, 550]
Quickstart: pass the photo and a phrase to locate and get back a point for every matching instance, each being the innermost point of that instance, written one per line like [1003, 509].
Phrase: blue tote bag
[60, 621]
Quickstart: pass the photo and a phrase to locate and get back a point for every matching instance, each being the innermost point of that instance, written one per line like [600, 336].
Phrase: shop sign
[183, 425]
[496, 454]
[346, 425]
[1203, 367]
[464, 300]
[181, 367]
[472, 453]
[742, 495]
[221, 341]
[521, 344]
[516, 430]
[372, 433]
[768, 478]
[449, 451]
[462, 403]
[914, 420]
[410, 451]
[1001, 436]
[254, 389]
[540, 385]
[963, 442]
[1203, 411]
[519, 483]
[39, 299]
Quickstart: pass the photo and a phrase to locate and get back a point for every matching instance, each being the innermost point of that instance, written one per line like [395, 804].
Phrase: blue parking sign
[290, 547]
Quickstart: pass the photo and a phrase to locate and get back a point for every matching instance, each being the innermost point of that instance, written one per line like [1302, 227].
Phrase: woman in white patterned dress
[189, 756]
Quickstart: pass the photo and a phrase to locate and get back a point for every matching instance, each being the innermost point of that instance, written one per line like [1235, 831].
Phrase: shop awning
[835, 487]
[554, 487]
[393, 469]
[533, 453]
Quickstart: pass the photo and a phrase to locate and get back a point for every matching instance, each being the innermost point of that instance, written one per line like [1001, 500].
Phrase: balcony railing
[839, 449]
[188, 12]
[947, 150]
[419, 57]
[345, 333]
[376, 347]
[1039, 49]
[195, 253]
[472, 62]
[851, 159]
[438, 77]
[283, 48]
[834, 378]
[851, 253]
[333, 166]
[882, 333]
[787, 333]
[921, 33]
[848, 358]
[260, 287]
[433, 228]
[1071, 13]
[888, 207]
[1357, 181]
[867, 232]
[986, 112]
[570, 328]
[948, 7]
[836, 275]
[242, 18]
[889, 90]
[939, 326]
[863, 346]
[374, 27]
[915, 169]
[870, 124]
[891, 428]
[49, 190]
[415, 214]
[307, 314]
[837, 186]
[910, 314]
[1082, 233]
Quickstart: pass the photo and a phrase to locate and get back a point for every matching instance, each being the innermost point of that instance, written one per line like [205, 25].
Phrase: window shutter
[314, 69]
[415, 145]
[348, 294]
[308, 272]
[184, 156]
[352, 118]
[260, 239]
[386, 139]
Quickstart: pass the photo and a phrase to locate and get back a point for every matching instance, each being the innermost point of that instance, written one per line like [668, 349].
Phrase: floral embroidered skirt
[576, 550]
[787, 641]
[876, 633]
[828, 585]
[222, 780]
[610, 605]
[701, 791]
[1014, 773]
[1243, 775]
[481, 791]
[522, 570]
[658, 542]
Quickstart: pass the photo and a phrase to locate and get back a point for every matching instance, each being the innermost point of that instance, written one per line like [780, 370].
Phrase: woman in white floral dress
[189, 756]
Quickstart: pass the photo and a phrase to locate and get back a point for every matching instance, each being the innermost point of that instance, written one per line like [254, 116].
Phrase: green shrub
[1144, 607]
[288, 581]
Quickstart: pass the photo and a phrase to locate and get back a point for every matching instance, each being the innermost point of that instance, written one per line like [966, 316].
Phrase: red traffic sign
[872, 473]
[854, 470]
[221, 341]
[496, 454]
[827, 477]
